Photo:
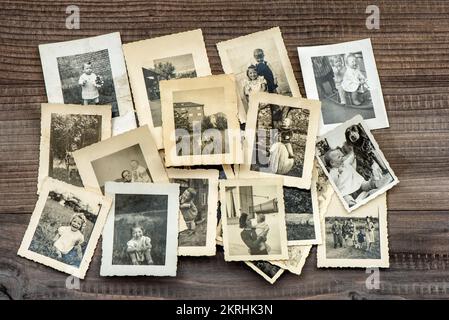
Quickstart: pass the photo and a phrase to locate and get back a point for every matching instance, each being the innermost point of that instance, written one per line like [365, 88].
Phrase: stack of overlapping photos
[183, 176]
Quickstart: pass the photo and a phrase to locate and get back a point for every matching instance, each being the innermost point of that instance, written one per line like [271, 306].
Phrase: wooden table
[411, 49]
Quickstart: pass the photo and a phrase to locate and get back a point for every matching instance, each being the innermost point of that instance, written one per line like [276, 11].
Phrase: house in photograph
[194, 112]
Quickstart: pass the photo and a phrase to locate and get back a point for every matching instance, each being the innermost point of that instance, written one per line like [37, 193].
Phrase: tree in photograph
[166, 70]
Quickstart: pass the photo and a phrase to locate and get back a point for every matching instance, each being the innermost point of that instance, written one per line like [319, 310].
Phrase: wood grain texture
[411, 49]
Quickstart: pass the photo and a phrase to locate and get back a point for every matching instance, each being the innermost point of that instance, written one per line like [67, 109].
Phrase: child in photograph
[188, 208]
[70, 237]
[90, 83]
[253, 82]
[265, 70]
[281, 152]
[139, 173]
[360, 238]
[139, 247]
[339, 70]
[262, 228]
[348, 181]
[354, 81]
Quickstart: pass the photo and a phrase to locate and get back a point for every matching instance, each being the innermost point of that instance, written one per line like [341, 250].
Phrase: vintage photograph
[281, 134]
[200, 121]
[268, 271]
[297, 256]
[260, 63]
[65, 227]
[128, 157]
[140, 235]
[65, 129]
[344, 78]
[152, 60]
[324, 189]
[198, 203]
[253, 220]
[302, 216]
[358, 239]
[90, 71]
[354, 164]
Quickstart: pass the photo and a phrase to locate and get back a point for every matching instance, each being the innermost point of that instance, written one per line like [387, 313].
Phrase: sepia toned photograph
[200, 121]
[129, 157]
[90, 71]
[359, 239]
[344, 78]
[324, 189]
[65, 129]
[253, 220]
[354, 164]
[297, 256]
[260, 63]
[152, 60]
[268, 271]
[280, 138]
[302, 216]
[140, 235]
[198, 203]
[65, 227]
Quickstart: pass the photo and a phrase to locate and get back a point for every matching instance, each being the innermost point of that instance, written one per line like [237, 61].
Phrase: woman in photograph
[256, 244]
[282, 158]
[369, 227]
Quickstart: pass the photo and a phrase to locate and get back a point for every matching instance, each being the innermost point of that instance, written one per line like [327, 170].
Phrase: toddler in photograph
[188, 208]
[70, 237]
[139, 173]
[90, 83]
[262, 228]
[253, 82]
[354, 81]
[139, 247]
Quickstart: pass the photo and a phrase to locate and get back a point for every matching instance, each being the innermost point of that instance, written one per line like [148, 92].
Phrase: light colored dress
[89, 90]
[352, 80]
[257, 85]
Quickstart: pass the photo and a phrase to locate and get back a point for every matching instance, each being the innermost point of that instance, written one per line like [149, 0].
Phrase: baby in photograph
[262, 228]
[139, 173]
[70, 238]
[90, 83]
[354, 81]
[139, 247]
[349, 182]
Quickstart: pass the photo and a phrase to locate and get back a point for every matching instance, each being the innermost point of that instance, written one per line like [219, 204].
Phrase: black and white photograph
[65, 129]
[297, 256]
[354, 164]
[200, 121]
[268, 271]
[65, 227]
[281, 134]
[260, 63]
[129, 157]
[254, 220]
[90, 71]
[344, 78]
[302, 216]
[140, 235]
[198, 198]
[152, 60]
[358, 239]
[324, 189]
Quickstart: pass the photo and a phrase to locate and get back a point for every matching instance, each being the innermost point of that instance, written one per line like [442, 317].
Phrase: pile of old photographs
[168, 171]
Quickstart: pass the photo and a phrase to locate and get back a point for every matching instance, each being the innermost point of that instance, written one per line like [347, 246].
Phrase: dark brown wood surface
[412, 54]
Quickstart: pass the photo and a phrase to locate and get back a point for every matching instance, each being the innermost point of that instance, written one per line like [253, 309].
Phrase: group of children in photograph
[347, 234]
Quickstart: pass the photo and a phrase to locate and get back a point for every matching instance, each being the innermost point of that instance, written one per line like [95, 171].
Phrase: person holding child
[256, 244]
[139, 173]
[139, 247]
[90, 83]
[69, 239]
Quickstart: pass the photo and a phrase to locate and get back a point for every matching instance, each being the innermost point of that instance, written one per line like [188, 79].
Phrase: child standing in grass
[70, 237]
[90, 83]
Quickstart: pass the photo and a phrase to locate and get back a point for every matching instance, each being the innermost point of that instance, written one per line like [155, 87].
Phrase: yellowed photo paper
[260, 63]
[140, 237]
[90, 71]
[65, 129]
[198, 203]
[163, 58]
[65, 227]
[200, 121]
[280, 138]
[253, 220]
[355, 240]
[354, 164]
[297, 256]
[128, 157]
